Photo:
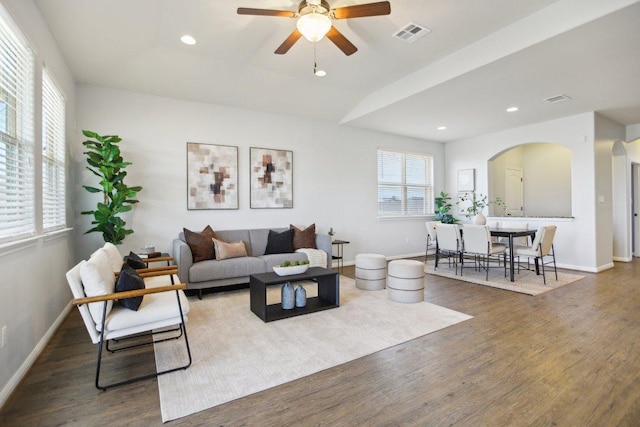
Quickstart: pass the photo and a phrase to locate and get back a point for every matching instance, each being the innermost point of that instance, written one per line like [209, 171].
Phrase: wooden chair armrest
[129, 294]
[155, 271]
[157, 259]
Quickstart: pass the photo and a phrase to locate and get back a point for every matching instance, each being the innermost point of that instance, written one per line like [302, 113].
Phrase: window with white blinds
[405, 184]
[17, 200]
[53, 155]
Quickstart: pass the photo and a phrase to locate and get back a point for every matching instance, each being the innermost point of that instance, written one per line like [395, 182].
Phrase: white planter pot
[479, 219]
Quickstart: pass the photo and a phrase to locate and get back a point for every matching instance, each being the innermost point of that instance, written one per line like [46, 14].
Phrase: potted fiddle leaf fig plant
[106, 162]
[443, 206]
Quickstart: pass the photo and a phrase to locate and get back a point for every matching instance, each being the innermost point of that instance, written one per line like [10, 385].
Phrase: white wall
[334, 168]
[576, 239]
[35, 294]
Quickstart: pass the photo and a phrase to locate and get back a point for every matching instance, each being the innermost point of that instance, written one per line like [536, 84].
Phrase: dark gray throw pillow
[129, 280]
[279, 243]
[134, 261]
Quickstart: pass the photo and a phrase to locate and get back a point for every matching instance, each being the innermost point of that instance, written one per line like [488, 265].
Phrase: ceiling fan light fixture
[314, 26]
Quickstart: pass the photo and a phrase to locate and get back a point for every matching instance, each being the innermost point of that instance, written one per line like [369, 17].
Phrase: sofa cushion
[304, 238]
[279, 243]
[97, 280]
[129, 280]
[200, 243]
[226, 250]
[235, 267]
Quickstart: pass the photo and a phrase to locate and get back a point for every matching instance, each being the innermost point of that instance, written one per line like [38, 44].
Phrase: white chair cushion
[157, 310]
[114, 255]
[98, 279]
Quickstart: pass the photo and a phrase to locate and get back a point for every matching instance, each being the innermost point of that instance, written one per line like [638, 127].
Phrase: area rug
[236, 354]
[527, 282]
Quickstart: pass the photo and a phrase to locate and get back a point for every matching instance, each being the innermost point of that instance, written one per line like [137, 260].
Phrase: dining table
[510, 233]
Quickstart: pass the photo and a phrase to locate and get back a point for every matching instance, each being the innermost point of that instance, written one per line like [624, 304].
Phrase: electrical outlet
[4, 336]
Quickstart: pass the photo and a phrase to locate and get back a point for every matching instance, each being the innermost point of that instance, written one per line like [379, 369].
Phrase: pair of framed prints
[212, 177]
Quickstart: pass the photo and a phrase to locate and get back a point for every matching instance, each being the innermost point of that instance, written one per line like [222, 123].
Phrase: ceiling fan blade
[286, 45]
[266, 12]
[362, 10]
[341, 41]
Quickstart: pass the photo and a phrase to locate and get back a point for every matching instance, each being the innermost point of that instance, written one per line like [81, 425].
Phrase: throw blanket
[316, 257]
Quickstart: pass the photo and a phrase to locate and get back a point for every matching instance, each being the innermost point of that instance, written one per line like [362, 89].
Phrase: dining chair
[541, 247]
[449, 243]
[431, 238]
[478, 245]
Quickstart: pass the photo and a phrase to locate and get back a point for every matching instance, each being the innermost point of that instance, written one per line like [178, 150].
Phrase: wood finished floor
[570, 357]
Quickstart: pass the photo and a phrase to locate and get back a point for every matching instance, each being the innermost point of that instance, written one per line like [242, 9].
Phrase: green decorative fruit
[305, 262]
[285, 264]
[294, 263]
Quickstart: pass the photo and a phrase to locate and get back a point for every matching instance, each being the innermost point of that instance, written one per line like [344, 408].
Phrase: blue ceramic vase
[287, 297]
[301, 296]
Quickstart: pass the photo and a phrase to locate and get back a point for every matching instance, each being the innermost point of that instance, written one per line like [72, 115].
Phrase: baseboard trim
[26, 365]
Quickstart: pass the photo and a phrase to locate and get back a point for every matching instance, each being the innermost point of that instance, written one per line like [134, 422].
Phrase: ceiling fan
[314, 21]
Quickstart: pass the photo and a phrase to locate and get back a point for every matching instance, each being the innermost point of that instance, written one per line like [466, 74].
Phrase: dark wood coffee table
[328, 293]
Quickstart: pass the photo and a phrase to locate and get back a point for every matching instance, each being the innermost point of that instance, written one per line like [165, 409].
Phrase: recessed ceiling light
[187, 39]
[512, 109]
[442, 127]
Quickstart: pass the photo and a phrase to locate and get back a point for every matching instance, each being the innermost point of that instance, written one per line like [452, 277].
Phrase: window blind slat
[53, 155]
[404, 184]
[17, 204]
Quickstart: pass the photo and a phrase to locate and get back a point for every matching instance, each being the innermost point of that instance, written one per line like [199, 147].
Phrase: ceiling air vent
[411, 32]
[557, 98]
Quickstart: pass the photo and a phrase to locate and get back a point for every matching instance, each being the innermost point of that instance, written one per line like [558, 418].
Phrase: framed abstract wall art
[466, 180]
[212, 176]
[271, 178]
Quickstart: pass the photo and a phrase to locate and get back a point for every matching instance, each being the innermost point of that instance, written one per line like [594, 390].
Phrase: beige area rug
[527, 282]
[236, 354]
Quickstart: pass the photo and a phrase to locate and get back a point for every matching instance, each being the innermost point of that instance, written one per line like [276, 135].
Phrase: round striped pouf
[371, 272]
[405, 282]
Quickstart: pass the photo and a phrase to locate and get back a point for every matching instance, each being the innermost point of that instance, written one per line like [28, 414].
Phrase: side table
[340, 255]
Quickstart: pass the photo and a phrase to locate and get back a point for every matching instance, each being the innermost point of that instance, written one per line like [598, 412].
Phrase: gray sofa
[234, 271]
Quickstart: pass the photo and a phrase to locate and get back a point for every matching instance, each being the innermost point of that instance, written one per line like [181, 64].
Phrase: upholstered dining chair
[541, 247]
[165, 308]
[449, 243]
[477, 245]
[431, 238]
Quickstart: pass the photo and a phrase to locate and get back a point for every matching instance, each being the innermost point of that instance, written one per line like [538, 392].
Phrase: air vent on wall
[411, 32]
[557, 98]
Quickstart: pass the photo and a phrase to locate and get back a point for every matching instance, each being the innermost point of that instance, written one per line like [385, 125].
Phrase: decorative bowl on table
[147, 249]
[293, 269]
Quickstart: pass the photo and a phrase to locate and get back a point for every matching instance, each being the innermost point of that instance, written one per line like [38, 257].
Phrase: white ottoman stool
[405, 282]
[371, 271]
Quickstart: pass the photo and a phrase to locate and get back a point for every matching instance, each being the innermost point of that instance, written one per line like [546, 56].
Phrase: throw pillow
[226, 250]
[134, 261]
[200, 243]
[304, 239]
[279, 243]
[97, 280]
[114, 256]
[129, 280]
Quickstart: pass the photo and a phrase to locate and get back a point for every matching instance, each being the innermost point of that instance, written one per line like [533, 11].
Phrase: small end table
[340, 256]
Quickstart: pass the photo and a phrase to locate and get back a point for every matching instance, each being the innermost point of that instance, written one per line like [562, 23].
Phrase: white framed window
[53, 156]
[17, 200]
[405, 184]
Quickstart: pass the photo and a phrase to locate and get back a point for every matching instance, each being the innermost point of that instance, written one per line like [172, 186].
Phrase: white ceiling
[480, 58]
